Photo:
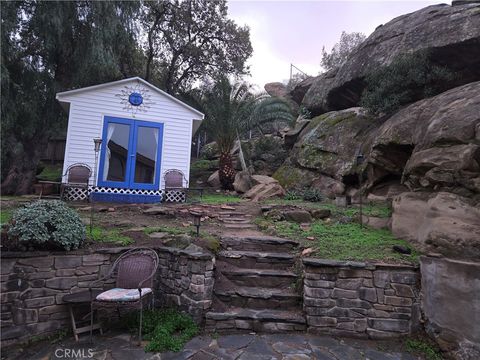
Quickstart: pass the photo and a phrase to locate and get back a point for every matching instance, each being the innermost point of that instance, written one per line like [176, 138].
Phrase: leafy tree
[187, 40]
[341, 50]
[230, 111]
[410, 77]
[49, 47]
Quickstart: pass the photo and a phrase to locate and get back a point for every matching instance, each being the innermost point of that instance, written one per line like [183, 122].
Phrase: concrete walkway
[238, 347]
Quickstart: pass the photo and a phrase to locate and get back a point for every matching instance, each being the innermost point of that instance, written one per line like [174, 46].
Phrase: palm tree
[230, 111]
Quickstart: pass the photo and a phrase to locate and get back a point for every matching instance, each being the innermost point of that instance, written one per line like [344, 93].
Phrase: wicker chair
[175, 179]
[134, 271]
[78, 176]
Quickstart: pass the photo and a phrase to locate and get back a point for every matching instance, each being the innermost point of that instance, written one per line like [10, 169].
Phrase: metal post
[97, 142]
[360, 159]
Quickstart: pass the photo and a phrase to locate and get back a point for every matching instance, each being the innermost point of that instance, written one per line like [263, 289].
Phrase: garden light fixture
[97, 143]
[197, 220]
[360, 160]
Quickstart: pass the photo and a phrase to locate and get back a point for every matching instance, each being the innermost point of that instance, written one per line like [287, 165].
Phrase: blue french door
[131, 154]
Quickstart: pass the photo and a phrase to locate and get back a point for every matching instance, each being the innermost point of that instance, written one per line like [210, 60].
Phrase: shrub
[47, 225]
[410, 77]
[313, 195]
[292, 195]
[167, 329]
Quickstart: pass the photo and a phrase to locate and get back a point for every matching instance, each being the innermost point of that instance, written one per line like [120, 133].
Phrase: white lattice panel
[175, 196]
[78, 194]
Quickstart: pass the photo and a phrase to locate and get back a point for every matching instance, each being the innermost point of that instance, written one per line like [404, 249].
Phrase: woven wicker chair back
[174, 179]
[133, 269]
[78, 174]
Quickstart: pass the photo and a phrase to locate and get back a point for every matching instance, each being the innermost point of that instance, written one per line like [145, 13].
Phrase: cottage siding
[87, 111]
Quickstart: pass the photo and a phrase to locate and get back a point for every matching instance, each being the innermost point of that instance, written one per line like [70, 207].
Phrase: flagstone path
[228, 347]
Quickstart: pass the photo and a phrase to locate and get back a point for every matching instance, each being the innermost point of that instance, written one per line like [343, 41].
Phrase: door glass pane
[116, 157]
[146, 155]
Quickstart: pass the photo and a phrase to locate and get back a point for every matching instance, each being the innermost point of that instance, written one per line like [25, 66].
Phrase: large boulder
[451, 304]
[298, 92]
[264, 191]
[243, 182]
[292, 135]
[262, 179]
[432, 144]
[450, 33]
[214, 180]
[442, 222]
[278, 89]
[330, 143]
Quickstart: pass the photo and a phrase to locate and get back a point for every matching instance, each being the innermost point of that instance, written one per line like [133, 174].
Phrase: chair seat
[119, 294]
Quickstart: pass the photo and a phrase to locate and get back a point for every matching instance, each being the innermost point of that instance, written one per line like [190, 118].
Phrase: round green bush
[47, 225]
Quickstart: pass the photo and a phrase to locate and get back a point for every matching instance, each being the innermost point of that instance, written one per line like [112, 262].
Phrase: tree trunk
[20, 170]
[226, 171]
[20, 176]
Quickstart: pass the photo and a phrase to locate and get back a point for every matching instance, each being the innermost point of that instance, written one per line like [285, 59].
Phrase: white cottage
[144, 132]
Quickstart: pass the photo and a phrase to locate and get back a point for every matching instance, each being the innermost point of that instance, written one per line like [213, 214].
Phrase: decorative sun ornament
[135, 98]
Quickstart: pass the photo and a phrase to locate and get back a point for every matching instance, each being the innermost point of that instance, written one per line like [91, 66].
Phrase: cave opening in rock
[350, 180]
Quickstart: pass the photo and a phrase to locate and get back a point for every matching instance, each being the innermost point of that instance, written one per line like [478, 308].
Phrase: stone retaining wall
[33, 285]
[362, 300]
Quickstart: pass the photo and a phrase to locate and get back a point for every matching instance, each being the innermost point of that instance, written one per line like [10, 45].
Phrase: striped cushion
[119, 294]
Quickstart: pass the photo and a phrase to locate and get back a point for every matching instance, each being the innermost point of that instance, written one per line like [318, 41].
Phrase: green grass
[5, 216]
[342, 241]
[219, 199]
[167, 329]
[166, 229]
[376, 210]
[427, 349]
[50, 173]
[103, 235]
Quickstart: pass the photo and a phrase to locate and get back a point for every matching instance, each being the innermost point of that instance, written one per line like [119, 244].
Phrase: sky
[294, 31]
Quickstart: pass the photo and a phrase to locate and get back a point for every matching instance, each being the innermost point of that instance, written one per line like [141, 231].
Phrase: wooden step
[258, 277]
[259, 298]
[238, 319]
[256, 259]
[258, 243]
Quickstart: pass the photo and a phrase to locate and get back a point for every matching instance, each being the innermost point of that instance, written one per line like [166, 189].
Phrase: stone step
[240, 226]
[231, 213]
[256, 259]
[237, 319]
[235, 221]
[259, 298]
[258, 277]
[258, 243]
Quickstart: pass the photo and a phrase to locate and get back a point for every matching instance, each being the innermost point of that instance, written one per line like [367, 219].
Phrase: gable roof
[144, 82]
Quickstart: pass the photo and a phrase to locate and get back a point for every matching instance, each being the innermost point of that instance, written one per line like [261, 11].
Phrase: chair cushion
[119, 294]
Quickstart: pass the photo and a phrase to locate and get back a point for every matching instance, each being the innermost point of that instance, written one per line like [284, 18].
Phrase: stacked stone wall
[356, 299]
[33, 286]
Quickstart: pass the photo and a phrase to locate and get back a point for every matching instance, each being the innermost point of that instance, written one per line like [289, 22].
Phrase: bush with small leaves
[292, 195]
[313, 195]
[410, 77]
[47, 225]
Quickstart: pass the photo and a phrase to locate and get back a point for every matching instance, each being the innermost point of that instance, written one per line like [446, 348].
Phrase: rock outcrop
[432, 144]
[441, 222]
[324, 156]
[298, 92]
[450, 33]
[265, 188]
[278, 89]
[451, 304]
